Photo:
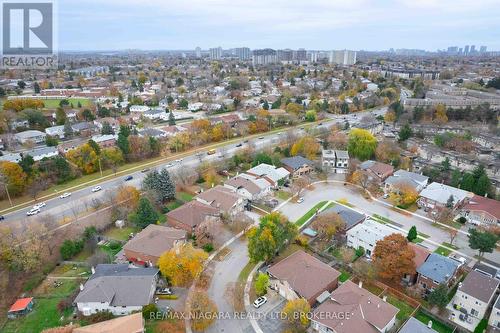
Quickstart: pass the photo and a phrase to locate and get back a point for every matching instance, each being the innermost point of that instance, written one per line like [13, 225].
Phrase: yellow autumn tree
[203, 310]
[306, 146]
[182, 264]
[403, 195]
[296, 312]
[128, 197]
[440, 116]
[13, 176]
[85, 158]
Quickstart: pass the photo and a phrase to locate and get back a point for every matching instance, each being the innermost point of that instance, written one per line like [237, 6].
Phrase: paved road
[225, 276]
[336, 191]
[77, 202]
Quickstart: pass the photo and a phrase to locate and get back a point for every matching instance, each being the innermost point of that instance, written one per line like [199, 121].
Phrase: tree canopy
[393, 257]
[361, 144]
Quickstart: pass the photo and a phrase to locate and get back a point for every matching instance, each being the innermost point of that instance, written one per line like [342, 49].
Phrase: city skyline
[320, 25]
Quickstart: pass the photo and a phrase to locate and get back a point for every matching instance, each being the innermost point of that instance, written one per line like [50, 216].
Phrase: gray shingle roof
[438, 268]
[415, 326]
[350, 217]
[296, 162]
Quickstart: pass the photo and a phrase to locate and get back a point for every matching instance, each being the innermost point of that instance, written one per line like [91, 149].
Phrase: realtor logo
[28, 35]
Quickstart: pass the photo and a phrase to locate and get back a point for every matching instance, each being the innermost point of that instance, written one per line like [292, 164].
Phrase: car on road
[145, 170]
[261, 138]
[163, 291]
[128, 178]
[259, 302]
[320, 124]
[169, 165]
[2, 217]
[239, 145]
[178, 160]
[33, 211]
[64, 195]
[300, 200]
[386, 196]
[96, 189]
[246, 141]
[39, 205]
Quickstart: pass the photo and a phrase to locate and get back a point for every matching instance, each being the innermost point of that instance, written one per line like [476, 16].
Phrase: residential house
[421, 254]
[153, 133]
[83, 128]
[114, 123]
[156, 114]
[105, 141]
[173, 130]
[482, 211]
[133, 323]
[301, 275]
[472, 299]
[30, 136]
[335, 160]
[194, 107]
[139, 108]
[117, 288]
[42, 152]
[298, 165]
[367, 234]
[249, 187]
[148, 245]
[415, 180]
[374, 127]
[276, 176]
[21, 307]
[494, 320]
[377, 172]
[436, 270]
[438, 196]
[352, 309]
[349, 216]
[190, 215]
[11, 157]
[57, 131]
[414, 325]
[224, 199]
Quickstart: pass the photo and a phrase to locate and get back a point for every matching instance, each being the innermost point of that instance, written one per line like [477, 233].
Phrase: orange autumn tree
[182, 264]
[393, 258]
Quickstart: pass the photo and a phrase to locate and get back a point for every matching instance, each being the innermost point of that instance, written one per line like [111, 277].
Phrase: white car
[96, 189]
[65, 195]
[39, 205]
[179, 160]
[169, 165]
[259, 302]
[33, 211]
[300, 200]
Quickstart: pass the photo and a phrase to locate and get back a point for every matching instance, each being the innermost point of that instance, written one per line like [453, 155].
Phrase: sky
[310, 24]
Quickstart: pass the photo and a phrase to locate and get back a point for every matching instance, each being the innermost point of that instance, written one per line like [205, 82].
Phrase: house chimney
[81, 287]
[384, 298]
[93, 270]
[360, 284]
[429, 324]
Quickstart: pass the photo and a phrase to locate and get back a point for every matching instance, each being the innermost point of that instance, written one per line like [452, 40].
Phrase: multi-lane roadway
[78, 201]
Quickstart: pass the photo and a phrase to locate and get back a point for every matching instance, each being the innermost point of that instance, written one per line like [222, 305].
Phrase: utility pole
[2, 180]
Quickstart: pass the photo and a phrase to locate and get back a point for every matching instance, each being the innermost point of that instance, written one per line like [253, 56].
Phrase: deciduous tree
[182, 264]
[296, 312]
[361, 144]
[393, 258]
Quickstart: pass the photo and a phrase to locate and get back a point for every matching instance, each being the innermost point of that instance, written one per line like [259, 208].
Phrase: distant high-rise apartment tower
[197, 52]
[301, 55]
[243, 53]
[452, 49]
[482, 49]
[284, 55]
[343, 57]
[473, 49]
[466, 50]
[313, 56]
[264, 57]
[215, 53]
[460, 50]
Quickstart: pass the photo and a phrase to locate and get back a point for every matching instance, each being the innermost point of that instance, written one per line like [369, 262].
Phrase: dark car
[239, 145]
[246, 141]
[2, 217]
[128, 178]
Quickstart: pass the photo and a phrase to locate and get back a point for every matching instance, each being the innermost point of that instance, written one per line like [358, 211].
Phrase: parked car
[145, 170]
[261, 138]
[163, 291]
[386, 196]
[178, 160]
[39, 205]
[2, 217]
[128, 178]
[169, 165]
[239, 145]
[64, 195]
[96, 189]
[246, 141]
[33, 211]
[259, 302]
[300, 200]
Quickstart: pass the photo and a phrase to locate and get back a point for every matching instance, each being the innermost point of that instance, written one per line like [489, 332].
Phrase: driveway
[270, 313]
[226, 274]
[178, 304]
[337, 191]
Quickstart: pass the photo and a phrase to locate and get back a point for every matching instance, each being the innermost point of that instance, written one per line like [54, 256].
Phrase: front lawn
[436, 324]
[310, 213]
[442, 251]
[283, 195]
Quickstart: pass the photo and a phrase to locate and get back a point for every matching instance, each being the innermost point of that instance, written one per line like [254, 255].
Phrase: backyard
[436, 324]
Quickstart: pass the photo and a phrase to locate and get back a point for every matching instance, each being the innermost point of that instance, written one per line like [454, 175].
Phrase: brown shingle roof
[479, 203]
[421, 254]
[154, 240]
[219, 197]
[193, 213]
[366, 311]
[244, 183]
[479, 286]
[305, 274]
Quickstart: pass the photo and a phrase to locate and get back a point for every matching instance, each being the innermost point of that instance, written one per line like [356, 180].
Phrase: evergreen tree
[171, 118]
[36, 88]
[122, 141]
[68, 130]
[144, 215]
[161, 184]
[106, 129]
[439, 296]
[412, 234]
[456, 178]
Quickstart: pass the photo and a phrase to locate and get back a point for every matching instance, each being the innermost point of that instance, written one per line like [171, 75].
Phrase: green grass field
[309, 214]
[54, 103]
[442, 251]
[436, 324]
[119, 234]
[344, 276]
[405, 309]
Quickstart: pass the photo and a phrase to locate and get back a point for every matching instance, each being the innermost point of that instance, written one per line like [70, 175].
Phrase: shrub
[148, 311]
[360, 251]
[261, 284]
[99, 316]
[208, 247]
[114, 245]
[171, 297]
[462, 220]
